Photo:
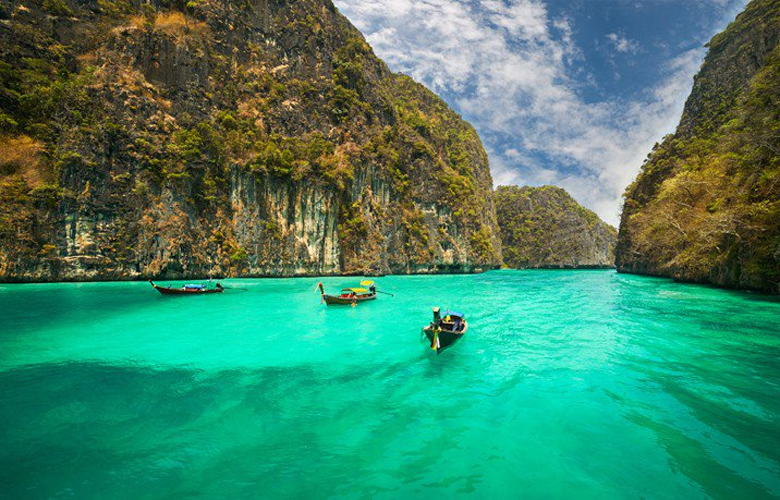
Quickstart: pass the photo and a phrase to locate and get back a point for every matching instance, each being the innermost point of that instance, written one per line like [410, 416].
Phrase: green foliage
[297, 157]
[482, 244]
[348, 80]
[178, 176]
[352, 226]
[227, 120]
[416, 122]
[238, 256]
[348, 74]
[193, 5]
[34, 90]
[344, 102]
[546, 227]
[414, 223]
[115, 8]
[48, 196]
[706, 206]
[187, 145]
[7, 124]
[57, 7]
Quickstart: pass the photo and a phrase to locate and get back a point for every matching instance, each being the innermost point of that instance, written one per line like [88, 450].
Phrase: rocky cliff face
[706, 205]
[177, 139]
[545, 227]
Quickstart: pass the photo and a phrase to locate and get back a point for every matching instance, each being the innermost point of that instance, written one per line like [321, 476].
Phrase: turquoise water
[569, 384]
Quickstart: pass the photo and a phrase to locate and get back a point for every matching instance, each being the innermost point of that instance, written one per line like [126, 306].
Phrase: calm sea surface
[581, 384]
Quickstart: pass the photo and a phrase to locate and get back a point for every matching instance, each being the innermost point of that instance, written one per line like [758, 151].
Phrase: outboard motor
[436, 316]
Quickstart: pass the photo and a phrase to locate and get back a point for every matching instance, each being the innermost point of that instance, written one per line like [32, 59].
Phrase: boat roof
[454, 313]
[366, 283]
[356, 290]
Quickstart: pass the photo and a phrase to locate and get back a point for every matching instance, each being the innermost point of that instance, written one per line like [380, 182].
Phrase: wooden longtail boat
[190, 289]
[442, 332]
[350, 296]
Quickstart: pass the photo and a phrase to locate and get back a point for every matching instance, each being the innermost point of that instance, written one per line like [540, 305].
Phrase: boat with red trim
[190, 288]
[350, 296]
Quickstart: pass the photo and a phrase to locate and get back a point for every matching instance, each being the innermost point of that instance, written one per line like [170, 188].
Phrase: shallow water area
[586, 384]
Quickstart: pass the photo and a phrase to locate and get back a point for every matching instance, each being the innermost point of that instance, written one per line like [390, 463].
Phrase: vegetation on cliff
[706, 205]
[545, 227]
[172, 138]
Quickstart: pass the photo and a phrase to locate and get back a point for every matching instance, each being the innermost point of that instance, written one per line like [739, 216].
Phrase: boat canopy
[356, 290]
[454, 313]
[366, 283]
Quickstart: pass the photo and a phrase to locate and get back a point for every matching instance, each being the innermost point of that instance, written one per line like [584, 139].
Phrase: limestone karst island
[363, 249]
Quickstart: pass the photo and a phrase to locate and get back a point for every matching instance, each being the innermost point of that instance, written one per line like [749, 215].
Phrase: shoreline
[223, 278]
[294, 276]
[755, 293]
[704, 282]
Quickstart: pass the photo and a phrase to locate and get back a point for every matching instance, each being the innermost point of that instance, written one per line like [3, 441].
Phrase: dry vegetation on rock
[706, 206]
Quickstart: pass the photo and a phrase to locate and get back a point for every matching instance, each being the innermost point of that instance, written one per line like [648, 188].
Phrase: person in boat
[372, 289]
[436, 318]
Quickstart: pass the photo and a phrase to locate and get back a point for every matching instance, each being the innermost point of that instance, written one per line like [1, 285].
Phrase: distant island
[544, 227]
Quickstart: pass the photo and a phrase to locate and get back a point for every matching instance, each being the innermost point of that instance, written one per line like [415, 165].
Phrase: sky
[573, 93]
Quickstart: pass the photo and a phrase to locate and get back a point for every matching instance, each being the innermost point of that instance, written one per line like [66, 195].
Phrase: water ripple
[591, 382]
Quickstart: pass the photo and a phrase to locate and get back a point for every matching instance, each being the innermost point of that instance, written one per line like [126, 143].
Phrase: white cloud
[507, 67]
[622, 44]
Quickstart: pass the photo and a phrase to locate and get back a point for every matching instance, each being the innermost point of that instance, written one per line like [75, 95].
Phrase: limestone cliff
[177, 139]
[706, 205]
[544, 227]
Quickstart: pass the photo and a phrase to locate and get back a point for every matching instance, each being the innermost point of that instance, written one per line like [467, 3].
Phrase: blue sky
[572, 93]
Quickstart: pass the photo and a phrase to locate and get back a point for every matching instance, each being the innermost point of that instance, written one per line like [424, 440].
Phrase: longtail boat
[190, 289]
[350, 296]
[445, 330]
